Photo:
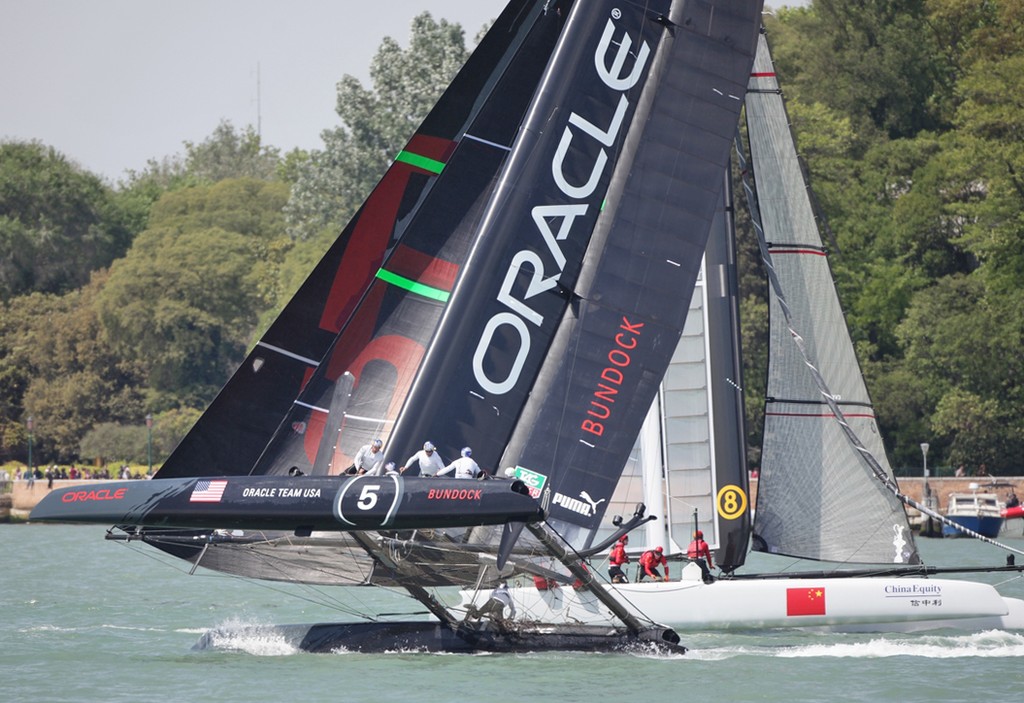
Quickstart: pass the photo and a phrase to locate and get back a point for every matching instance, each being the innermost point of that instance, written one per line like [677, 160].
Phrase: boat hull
[435, 637]
[985, 525]
[299, 504]
[855, 604]
[1016, 511]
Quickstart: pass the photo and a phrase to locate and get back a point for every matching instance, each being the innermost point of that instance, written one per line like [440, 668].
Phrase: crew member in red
[616, 559]
[649, 562]
[699, 553]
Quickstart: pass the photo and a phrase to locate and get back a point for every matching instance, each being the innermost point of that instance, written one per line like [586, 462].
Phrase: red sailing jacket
[650, 560]
[699, 548]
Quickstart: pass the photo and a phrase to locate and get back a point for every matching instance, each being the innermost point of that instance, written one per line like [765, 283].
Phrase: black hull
[300, 505]
[433, 637]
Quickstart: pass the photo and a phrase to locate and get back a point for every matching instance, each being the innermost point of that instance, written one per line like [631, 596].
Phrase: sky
[112, 84]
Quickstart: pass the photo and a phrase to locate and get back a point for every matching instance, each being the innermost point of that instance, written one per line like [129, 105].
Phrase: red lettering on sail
[603, 400]
[454, 494]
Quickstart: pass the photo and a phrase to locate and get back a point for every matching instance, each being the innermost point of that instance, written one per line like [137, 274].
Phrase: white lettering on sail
[611, 76]
[538, 284]
[501, 387]
[568, 215]
[617, 50]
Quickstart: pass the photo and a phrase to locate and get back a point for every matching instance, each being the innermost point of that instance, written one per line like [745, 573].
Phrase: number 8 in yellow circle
[732, 502]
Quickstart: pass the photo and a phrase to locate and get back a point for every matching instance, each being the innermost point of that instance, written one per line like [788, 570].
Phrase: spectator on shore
[960, 471]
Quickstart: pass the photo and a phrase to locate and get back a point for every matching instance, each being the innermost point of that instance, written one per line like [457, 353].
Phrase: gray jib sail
[819, 495]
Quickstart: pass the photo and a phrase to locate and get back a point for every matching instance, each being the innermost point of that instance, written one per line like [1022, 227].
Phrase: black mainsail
[626, 315]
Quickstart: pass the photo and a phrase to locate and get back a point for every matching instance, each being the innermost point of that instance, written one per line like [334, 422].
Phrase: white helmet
[466, 451]
[428, 446]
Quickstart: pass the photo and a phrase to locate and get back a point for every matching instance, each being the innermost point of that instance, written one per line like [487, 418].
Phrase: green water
[90, 620]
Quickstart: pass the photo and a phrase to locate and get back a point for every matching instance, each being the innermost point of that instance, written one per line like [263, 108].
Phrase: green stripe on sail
[413, 286]
[427, 164]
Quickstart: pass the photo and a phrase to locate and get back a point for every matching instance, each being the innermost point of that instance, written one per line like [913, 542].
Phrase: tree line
[135, 299]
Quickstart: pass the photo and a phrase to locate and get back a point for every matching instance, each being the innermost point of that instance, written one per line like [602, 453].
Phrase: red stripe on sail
[373, 231]
[867, 415]
[766, 74]
[423, 268]
[816, 252]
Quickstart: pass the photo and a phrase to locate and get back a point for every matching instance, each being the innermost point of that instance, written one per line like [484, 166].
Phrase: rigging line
[620, 596]
[869, 459]
[175, 565]
[276, 564]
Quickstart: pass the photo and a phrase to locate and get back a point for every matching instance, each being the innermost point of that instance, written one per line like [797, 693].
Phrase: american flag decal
[208, 492]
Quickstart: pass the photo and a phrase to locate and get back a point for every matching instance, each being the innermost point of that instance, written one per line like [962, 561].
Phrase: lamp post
[30, 424]
[924, 453]
[149, 442]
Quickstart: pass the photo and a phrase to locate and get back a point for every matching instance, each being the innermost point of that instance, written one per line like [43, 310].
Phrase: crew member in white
[464, 466]
[369, 458]
[428, 459]
[495, 606]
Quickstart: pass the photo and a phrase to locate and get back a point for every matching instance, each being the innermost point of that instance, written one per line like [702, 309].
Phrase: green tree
[64, 374]
[962, 347]
[876, 61]
[185, 300]
[230, 153]
[57, 222]
[376, 124]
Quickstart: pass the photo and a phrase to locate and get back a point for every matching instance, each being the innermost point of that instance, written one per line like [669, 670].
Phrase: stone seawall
[24, 498]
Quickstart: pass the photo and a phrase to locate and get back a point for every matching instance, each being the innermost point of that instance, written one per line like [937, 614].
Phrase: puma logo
[593, 504]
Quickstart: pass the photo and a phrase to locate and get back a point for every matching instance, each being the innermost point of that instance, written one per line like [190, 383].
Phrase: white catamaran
[825, 490]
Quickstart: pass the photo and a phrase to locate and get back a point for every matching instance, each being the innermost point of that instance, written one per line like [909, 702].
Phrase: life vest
[698, 548]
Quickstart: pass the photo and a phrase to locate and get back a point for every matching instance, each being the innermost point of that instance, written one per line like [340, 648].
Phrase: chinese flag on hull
[805, 601]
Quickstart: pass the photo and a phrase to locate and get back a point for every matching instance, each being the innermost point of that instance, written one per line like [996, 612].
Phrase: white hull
[855, 604]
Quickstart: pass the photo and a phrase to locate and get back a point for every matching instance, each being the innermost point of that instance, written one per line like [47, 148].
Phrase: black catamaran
[512, 284]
